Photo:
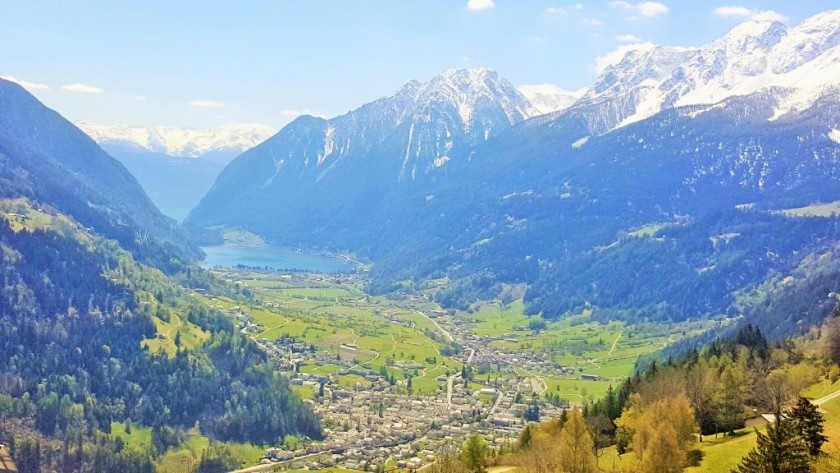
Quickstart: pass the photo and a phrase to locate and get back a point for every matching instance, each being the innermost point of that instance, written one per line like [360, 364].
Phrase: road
[824, 399]
[472, 354]
[449, 385]
[499, 396]
[446, 335]
[274, 466]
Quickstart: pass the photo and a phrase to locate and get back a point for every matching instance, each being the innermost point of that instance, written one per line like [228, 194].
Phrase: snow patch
[579, 143]
[834, 135]
[440, 161]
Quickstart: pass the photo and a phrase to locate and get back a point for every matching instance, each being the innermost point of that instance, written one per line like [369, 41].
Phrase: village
[378, 422]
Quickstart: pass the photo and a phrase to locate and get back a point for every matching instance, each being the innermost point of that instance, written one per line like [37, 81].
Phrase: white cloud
[769, 15]
[652, 9]
[476, 5]
[733, 11]
[26, 84]
[615, 56]
[206, 104]
[591, 22]
[642, 9]
[577, 6]
[736, 11]
[555, 11]
[81, 88]
[628, 38]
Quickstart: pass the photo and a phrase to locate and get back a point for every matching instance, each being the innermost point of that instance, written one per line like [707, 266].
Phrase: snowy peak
[471, 92]
[642, 65]
[182, 142]
[794, 65]
[806, 41]
[548, 98]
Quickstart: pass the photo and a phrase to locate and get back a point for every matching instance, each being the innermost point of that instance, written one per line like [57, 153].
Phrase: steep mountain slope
[45, 158]
[83, 311]
[388, 146]
[590, 206]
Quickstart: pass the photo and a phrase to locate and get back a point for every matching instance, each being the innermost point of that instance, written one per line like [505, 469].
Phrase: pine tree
[525, 437]
[809, 424]
[779, 450]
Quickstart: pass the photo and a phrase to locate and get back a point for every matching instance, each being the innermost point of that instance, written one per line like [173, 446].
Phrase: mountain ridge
[226, 141]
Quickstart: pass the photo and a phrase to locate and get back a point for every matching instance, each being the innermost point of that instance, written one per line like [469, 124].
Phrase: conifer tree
[808, 422]
[779, 450]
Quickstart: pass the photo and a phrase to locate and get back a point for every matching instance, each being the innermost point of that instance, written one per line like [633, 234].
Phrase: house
[590, 377]
[760, 420]
[6, 463]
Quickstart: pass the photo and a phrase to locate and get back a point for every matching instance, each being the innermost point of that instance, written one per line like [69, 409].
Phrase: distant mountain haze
[176, 166]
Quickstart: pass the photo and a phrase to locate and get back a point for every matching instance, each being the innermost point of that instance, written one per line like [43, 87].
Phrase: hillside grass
[814, 210]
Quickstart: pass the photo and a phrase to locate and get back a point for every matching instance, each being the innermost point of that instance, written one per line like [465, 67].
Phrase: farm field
[605, 353]
[336, 318]
[339, 321]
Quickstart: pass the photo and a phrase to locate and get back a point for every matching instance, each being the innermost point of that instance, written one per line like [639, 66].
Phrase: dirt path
[615, 343]
[824, 399]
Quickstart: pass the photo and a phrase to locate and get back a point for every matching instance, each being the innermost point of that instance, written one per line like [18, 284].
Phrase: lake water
[272, 257]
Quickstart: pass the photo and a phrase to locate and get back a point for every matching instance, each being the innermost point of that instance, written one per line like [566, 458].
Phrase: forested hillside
[77, 318]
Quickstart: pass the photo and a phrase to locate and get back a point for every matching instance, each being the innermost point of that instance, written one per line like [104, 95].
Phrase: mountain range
[653, 169]
[217, 144]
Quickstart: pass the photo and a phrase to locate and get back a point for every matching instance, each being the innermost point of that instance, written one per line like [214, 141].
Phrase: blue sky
[207, 63]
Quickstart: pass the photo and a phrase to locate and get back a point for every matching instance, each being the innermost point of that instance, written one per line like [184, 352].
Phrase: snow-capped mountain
[798, 64]
[450, 177]
[181, 142]
[411, 137]
[548, 98]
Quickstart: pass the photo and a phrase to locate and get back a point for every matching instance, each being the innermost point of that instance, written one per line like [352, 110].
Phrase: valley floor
[394, 379]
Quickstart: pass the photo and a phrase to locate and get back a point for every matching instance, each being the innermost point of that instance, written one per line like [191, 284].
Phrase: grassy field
[340, 320]
[186, 455]
[608, 351]
[814, 210]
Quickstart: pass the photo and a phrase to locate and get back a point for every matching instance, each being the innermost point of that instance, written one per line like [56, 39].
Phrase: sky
[208, 63]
